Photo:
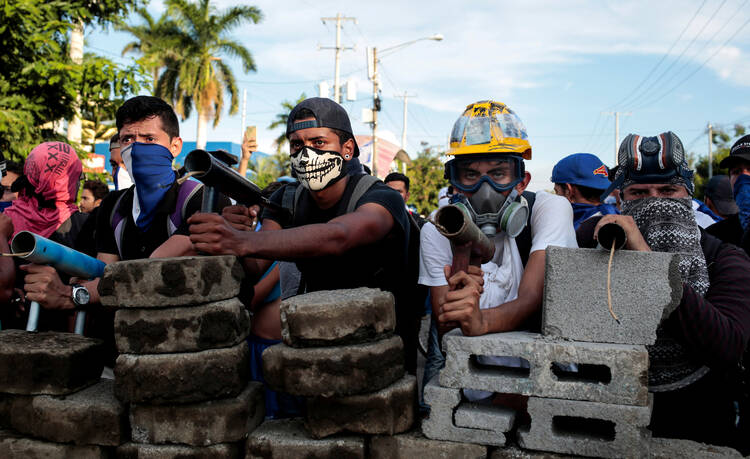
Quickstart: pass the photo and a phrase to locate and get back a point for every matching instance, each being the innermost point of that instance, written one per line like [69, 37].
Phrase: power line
[664, 56]
[690, 75]
[674, 62]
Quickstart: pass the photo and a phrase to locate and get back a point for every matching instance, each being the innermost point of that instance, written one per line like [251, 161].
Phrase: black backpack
[523, 240]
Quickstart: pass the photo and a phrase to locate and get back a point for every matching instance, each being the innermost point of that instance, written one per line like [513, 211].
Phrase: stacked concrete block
[644, 285]
[587, 428]
[183, 364]
[586, 376]
[445, 405]
[52, 402]
[619, 371]
[412, 445]
[287, 439]
[339, 351]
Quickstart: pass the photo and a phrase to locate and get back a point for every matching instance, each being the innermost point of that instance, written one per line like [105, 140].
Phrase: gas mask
[493, 212]
[489, 208]
[317, 169]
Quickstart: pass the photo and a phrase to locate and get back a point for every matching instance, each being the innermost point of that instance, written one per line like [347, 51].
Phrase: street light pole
[375, 110]
[376, 93]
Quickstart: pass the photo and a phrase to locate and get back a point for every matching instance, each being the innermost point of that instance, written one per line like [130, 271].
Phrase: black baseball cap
[327, 113]
[720, 191]
[740, 151]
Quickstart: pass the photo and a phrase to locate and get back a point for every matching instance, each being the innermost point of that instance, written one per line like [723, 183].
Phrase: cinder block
[513, 452]
[92, 416]
[145, 451]
[644, 286]
[287, 439]
[670, 448]
[412, 445]
[337, 317]
[181, 329]
[48, 363]
[440, 425]
[336, 370]
[482, 416]
[161, 379]
[387, 411]
[200, 424]
[166, 282]
[608, 373]
[587, 428]
[13, 446]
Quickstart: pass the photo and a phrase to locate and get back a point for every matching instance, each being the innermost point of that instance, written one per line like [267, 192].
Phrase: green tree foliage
[426, 179]
[281, 120]
[281, 158]
[197, 76]
[38, 82]
[157, 41]
[104, 86]
[722, 141]
[266, 172]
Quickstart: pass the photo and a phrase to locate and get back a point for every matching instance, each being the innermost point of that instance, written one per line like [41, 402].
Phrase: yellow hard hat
[489, 127]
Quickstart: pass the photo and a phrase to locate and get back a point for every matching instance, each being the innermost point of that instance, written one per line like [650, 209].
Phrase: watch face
[81, 296]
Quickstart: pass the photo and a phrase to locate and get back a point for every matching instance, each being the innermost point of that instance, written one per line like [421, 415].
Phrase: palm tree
[156, 41]
[281, 119]
[198, 77]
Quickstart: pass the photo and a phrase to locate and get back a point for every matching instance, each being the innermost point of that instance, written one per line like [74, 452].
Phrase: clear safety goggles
[504, 176]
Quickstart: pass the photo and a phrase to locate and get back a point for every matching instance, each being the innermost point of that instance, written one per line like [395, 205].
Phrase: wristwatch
[81, 295]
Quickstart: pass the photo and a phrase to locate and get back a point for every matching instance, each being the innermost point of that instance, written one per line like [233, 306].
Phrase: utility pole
[375, 108]
[404, 96]
[338, 48]
[75, 125]
[710, 160]
[617, 129]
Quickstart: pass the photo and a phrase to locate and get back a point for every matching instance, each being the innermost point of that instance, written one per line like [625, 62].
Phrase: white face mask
[123, 179]
[125, 152]
[317, 169]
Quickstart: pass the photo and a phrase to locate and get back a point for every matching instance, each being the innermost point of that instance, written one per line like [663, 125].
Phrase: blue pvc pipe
[42, 251]
[64, 259]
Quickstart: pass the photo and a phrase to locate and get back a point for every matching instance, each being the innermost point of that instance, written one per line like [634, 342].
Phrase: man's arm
[7, 265]
[177, 245]
[212, 234]
[43, 285]
[717, 326]
[462, 304]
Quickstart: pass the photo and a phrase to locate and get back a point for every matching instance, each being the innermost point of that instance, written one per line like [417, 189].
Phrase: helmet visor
[501, 172]
[480, 130]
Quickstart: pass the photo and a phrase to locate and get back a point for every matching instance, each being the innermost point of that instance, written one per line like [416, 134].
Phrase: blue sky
[673, 65]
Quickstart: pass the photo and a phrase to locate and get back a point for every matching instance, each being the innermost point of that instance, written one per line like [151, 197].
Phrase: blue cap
[582, 169]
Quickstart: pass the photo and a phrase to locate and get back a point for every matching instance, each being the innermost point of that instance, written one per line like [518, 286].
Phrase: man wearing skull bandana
[333, 248]
[692, 371]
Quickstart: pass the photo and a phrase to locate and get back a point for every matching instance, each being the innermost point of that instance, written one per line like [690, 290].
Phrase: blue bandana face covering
[150, 167]
[582, 212]
[742, 198]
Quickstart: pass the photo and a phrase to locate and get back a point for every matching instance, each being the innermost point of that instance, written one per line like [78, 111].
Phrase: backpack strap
[297, 195]
[290, 198]
[117, 222]
[523, 240]
[365, 183]
[185, 193]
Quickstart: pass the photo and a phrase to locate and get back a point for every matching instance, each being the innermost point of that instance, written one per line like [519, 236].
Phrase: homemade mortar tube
[469, 244]
[42, 251]
[609, 233]
[218, 177]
